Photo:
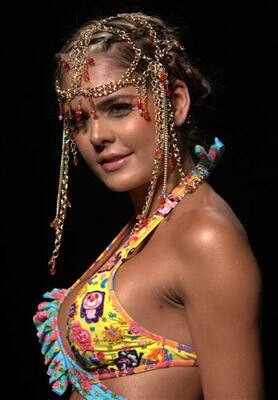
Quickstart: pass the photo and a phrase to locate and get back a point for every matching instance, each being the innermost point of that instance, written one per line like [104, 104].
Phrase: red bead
[52, 270]
[78, 112]
[146, 116]
[53, 223]
[162, 77]
[91, 61]
[66, 66]
[139, 103]
[52, 264]
[75, 161]
[157, 154]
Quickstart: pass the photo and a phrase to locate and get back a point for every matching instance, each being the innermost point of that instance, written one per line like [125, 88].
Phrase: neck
[138, 195]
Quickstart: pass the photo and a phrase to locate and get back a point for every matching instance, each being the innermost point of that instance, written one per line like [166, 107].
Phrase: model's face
[118, 129]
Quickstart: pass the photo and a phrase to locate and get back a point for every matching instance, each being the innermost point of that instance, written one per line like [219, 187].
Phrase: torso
[146, 286]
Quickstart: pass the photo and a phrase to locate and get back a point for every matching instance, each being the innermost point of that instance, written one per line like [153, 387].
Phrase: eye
[120, 109]
[77, 125]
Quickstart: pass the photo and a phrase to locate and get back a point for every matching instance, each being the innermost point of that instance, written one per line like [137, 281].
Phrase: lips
[112, 159]
[115, 162]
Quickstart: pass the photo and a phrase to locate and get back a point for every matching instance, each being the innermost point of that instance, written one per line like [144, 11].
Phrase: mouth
[115, 164]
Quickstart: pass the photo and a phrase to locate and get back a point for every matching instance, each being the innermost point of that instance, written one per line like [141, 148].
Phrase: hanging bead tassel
[74, 152]
[86, 75]
[61, 112]
[140, 106]
[78, 112]
[69, 111]
[92, 108]
[163, 79]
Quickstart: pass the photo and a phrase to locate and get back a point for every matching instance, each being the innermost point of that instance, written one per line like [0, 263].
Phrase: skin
[206, 283]
[124, 131]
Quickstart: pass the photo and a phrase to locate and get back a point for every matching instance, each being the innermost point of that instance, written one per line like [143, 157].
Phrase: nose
[100, 132]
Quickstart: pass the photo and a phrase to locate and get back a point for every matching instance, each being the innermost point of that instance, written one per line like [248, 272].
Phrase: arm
[221, 288]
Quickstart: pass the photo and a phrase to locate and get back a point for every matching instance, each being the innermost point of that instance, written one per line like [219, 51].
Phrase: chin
[125, 183]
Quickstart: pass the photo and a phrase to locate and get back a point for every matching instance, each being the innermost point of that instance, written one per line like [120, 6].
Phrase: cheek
[86, 150]
[140, 136]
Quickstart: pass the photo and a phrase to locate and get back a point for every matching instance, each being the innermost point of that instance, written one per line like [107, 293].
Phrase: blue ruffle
[46, 320]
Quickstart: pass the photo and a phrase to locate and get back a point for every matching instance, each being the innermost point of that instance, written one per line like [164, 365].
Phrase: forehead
[103, 70]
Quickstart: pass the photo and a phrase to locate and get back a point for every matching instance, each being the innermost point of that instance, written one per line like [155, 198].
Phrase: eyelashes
[121, 107]
[116, 110]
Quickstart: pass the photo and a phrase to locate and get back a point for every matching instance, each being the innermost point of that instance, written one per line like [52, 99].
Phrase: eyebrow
[107, 102]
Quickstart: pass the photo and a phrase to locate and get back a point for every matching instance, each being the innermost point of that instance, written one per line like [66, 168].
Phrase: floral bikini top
[105, 341]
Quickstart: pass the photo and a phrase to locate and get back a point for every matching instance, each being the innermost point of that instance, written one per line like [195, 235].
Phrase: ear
[180, 101]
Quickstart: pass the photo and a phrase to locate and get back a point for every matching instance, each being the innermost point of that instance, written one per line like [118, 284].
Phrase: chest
[144, 287]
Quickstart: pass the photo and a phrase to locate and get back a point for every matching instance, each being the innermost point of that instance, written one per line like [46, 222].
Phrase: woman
[189, 290]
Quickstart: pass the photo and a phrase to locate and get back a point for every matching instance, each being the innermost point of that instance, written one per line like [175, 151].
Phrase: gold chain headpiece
[76, 65]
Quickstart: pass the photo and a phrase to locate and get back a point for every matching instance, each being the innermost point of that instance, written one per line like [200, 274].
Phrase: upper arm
[221, 288]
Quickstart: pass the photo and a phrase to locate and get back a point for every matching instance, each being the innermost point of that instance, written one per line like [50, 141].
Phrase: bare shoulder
[219, 282]
[212, 246]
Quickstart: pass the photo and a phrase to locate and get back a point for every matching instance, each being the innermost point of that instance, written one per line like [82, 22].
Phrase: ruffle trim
[46, 323]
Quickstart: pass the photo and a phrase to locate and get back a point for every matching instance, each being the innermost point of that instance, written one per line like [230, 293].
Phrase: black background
[236, 43]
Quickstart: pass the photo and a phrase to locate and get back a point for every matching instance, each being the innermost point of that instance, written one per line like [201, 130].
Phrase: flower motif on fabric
[134, 328]
[157, 355]
[171, 202]
[128, 359]
[90, 359]
[112, 334]
[92, 306]
[81, 337]
[85, 382]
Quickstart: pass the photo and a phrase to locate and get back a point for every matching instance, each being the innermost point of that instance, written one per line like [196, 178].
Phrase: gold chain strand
[62, 200]
[165, 138]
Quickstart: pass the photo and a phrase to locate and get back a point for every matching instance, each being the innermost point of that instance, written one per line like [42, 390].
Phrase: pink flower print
[81, 337]
[60, 295]
[43, 305]
[41, 316]
[100, 355]
[54, 335]
[54, 322]
[85, 382]
[134, 328]
[167, 207]
[135, 238]
[56, 385]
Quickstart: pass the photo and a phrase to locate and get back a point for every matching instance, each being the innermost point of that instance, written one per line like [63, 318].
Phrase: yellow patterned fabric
[104, 338]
